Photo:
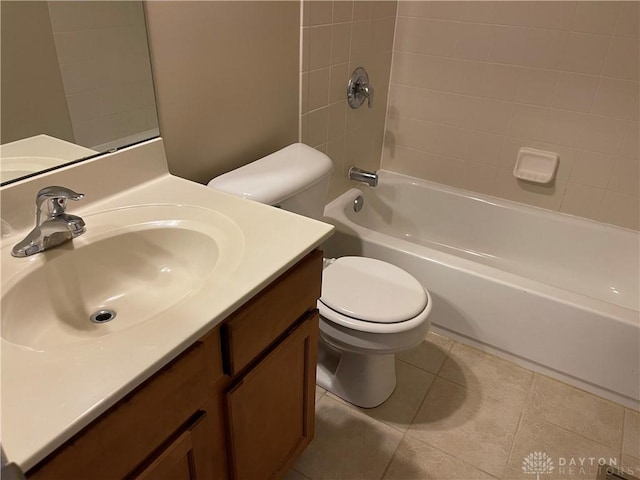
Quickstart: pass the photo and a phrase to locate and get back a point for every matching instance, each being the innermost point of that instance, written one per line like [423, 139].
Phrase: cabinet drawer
[258, 324]
[135, 426]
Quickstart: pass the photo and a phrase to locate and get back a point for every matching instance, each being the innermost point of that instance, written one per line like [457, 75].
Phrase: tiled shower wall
[472, 82]
[338, 37]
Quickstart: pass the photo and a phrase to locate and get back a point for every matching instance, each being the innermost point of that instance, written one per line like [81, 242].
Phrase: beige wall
[338, 37]
[33, 100]
[227, 81]
[472, 82]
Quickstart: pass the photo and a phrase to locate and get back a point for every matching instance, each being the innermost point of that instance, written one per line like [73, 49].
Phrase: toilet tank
[295, 178]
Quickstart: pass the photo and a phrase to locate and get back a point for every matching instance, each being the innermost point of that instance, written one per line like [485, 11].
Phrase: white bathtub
[556, 293]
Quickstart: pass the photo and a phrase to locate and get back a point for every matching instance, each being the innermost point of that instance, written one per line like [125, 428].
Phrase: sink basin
[132, 265]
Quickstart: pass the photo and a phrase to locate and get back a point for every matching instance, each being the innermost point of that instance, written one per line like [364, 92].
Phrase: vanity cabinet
[238, 404]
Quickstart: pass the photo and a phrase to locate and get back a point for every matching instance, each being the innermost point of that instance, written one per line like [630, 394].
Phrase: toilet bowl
[369, 309]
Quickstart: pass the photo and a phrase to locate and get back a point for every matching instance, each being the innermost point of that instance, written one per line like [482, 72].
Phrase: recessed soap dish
[535, 165]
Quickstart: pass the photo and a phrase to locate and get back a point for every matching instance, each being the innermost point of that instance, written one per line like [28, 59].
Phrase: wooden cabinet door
[271, 408]
[186, 457]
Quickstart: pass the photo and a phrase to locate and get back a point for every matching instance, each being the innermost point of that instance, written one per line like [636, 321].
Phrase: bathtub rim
[336, 215]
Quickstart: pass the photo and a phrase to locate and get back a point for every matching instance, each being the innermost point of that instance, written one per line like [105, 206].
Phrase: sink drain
[102, 316]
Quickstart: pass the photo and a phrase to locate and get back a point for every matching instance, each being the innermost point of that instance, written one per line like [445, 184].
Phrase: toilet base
[361, 379]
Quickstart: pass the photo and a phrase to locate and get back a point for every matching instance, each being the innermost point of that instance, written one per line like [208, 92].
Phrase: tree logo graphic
[537, 463]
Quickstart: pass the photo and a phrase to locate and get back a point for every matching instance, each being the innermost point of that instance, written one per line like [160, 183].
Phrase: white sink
[136, 262]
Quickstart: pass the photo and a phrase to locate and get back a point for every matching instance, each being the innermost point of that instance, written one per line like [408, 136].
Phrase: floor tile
[347, 445]
[467, 425]
[630, 465]
[319, 393]
[429, 355]
[402, 406]
[631, 439]
[416, 460]
[554, 453]
[576, 411]
[488, 374]
[293, 475]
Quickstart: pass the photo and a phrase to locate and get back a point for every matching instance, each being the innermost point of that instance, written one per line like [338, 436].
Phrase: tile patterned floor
[458, 413]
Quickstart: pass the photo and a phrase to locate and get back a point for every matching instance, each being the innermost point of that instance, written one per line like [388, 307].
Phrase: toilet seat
[372, 296]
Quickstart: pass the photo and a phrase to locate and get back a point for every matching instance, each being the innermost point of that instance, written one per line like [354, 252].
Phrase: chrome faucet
[359, 175]
[57, 227]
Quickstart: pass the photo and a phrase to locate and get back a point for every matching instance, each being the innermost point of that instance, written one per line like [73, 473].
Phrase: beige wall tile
[473, 41]
[554, 14]
[425, 36]
[575, 91]
[603, 134]
[628, 20]
[565, 128]
[620, 209]
[544, 196]
[452, 109]
[315, 126]
[383, 9]
[545, 48]
[337, 119]
[529, 122]
[317, 89]
[513, 13]
[468, 425]
[592, 169]
[492, 116]
[585, 53]
[631, 142]
[340, 42]
[415, 459]
[625, 177]
[508, 44]
[319, 46]
[383, 30]
[362, 10]
[338, 79]
[581, 200]
[596, 17]
[339, 429]
[622, 59]
[466, 11]
[497, 81]
[318, 12]
[342, 11]
[536, 86]
[577, 411]
[485, 148]
[615, 98]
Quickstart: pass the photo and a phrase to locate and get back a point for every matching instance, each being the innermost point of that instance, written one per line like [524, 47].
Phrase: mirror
[76, 82]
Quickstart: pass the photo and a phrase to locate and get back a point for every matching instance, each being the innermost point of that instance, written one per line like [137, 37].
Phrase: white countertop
[48, 396]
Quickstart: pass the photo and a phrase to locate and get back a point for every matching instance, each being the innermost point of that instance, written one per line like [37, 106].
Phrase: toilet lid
[371, 290]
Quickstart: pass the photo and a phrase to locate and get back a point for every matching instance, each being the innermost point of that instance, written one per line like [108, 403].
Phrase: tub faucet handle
[359, 89]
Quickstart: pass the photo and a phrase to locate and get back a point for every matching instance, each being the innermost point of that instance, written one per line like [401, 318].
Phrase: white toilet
[369, 309]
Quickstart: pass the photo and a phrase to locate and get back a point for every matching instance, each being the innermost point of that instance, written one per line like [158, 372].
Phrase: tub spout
[359, 175]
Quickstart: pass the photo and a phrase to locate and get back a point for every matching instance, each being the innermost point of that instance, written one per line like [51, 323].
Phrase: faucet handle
[56, 198]
[359, 89]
